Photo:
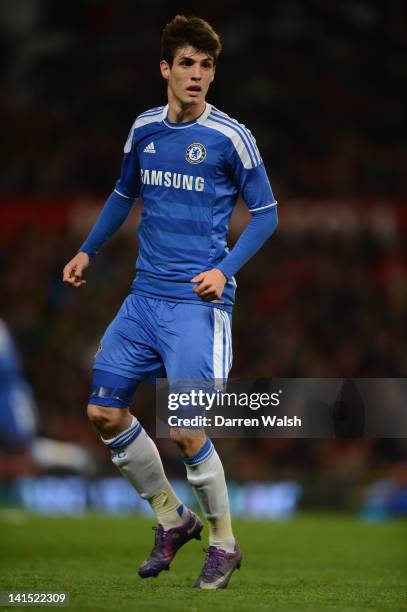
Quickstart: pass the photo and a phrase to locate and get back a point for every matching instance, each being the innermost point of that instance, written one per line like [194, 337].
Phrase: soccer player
[19, 419]
[18, 412]
[188, 161]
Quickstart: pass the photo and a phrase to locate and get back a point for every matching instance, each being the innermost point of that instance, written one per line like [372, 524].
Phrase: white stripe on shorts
[229, 352]
[227, 344]
[218, 344]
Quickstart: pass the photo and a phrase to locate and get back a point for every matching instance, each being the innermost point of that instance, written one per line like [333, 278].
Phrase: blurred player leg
[19, 419]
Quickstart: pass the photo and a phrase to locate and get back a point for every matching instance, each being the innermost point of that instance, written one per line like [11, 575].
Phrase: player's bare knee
[107, 420]
[98, 416]
[188, 441]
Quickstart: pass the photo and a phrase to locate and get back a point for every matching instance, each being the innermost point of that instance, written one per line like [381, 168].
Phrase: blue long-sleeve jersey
[189, 176]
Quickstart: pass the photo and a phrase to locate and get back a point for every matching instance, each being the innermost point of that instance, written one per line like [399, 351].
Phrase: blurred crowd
[320, 84]
[327, 307]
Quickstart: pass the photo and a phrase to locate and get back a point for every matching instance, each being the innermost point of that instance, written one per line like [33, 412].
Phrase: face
[189, 76]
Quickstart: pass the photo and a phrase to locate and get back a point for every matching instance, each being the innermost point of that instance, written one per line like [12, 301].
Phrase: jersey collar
[181, 126]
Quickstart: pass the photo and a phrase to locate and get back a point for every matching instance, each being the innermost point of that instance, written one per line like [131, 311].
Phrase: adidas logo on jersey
[150, 148]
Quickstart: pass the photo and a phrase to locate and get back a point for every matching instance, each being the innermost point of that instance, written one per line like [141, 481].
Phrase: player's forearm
[112, 216]
[252, 238]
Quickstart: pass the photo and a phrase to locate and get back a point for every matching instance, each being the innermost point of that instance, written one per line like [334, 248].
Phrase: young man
[188, 162]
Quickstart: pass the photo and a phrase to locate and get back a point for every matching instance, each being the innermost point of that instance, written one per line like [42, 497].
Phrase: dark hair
[194, 31]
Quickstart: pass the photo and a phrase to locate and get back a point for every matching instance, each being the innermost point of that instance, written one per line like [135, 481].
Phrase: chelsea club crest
[196, 153]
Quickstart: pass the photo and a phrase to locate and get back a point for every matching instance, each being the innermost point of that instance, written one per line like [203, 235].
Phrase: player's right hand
[74, 269]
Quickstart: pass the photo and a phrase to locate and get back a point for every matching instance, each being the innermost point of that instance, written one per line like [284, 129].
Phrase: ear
[165, 69]
[213, 75]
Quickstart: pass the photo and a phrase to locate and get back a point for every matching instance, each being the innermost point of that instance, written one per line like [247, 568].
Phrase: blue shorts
[152, 338]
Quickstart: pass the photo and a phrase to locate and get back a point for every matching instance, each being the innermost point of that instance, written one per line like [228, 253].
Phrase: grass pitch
[313, 562]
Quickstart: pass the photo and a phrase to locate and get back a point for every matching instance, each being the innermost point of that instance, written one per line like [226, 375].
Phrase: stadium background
[321, 87]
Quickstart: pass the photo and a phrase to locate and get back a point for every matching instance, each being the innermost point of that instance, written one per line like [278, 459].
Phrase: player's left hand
[210, 284]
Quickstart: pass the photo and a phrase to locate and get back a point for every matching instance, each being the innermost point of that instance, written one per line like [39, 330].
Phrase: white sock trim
[125, 437]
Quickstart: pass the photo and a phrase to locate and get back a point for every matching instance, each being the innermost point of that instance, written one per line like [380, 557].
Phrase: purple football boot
[167, 543]
[218, 568]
